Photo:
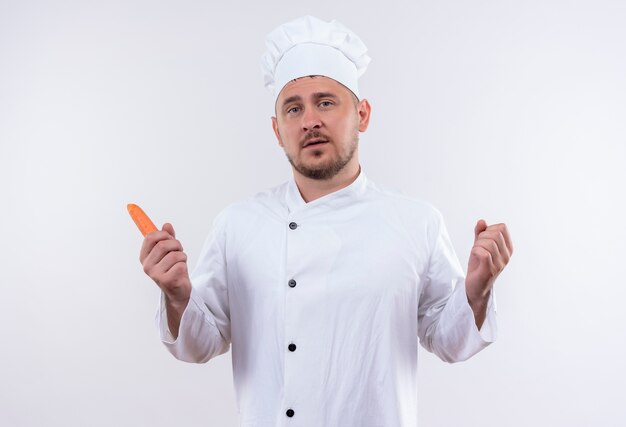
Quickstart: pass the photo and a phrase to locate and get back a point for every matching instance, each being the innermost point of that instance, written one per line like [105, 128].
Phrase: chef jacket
[323, 303]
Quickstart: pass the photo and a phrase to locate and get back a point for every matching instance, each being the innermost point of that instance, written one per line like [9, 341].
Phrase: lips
[315, 141]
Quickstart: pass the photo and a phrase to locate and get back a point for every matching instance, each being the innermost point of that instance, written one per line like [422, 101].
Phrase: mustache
[314, 134]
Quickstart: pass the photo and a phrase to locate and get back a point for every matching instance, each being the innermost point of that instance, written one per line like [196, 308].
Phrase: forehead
[304, 86]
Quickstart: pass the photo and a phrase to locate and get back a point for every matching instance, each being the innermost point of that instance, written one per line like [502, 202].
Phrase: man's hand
[490, 254]
[163, 259]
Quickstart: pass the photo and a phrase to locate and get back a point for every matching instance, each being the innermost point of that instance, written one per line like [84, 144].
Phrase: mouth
[314, 142]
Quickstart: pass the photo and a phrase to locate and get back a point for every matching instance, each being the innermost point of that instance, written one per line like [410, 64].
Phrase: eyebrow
[292, 99]
[316, 95]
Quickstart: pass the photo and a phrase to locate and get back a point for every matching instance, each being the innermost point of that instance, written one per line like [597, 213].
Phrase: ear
[276, 132]
[364, 110]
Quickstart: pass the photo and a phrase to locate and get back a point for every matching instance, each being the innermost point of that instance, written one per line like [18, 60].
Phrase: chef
[322, 286]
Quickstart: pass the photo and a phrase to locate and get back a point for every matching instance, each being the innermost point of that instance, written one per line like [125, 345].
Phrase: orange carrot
[144, 223]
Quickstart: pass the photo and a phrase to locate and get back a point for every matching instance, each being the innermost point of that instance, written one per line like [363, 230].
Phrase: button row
[292, 347]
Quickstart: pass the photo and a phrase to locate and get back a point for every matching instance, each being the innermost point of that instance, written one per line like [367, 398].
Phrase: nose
[311, 120]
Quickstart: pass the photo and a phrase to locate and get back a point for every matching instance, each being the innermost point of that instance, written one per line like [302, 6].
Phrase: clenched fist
[164, 261]
[491, 252]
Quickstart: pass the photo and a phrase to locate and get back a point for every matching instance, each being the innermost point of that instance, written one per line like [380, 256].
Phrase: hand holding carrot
[164, 261]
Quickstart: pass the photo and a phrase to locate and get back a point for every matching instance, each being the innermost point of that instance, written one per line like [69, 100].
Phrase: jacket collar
[335, 200]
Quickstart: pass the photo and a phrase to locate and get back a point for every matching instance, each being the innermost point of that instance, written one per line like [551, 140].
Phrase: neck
[312, 189]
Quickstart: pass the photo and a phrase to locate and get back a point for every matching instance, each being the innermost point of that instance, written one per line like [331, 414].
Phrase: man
[323, 285]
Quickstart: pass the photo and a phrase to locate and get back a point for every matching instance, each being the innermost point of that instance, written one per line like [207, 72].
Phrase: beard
[329, 168]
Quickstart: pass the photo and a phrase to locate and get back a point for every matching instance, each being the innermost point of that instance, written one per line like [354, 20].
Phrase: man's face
[317, 123]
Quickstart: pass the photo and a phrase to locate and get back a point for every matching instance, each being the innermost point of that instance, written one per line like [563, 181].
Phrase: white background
[510, 111]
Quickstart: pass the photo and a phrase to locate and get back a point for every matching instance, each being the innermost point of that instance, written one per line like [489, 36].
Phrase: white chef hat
[308, 46]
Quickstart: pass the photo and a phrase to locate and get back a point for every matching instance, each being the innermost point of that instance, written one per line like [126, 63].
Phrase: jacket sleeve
[446, 325]
[204, 330]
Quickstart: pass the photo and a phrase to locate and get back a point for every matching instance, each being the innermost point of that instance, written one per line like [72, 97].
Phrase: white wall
[511, 111]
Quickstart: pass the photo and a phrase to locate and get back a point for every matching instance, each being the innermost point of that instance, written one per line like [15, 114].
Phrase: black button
[293, 225]
[290, 412]
[292, 283]
[292, 347]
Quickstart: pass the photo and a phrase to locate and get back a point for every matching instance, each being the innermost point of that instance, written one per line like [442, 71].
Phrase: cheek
[347, 129]
[289, 136]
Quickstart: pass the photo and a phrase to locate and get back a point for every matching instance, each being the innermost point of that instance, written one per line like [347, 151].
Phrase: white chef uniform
[323, 303]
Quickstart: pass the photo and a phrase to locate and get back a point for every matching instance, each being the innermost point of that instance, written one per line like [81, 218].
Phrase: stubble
[330, 168]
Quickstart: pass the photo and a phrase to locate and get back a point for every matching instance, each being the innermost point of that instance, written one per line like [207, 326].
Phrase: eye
[293, 110]
[325, 104]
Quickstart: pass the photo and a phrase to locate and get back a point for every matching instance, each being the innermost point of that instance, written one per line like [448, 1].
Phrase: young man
[324, 284]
